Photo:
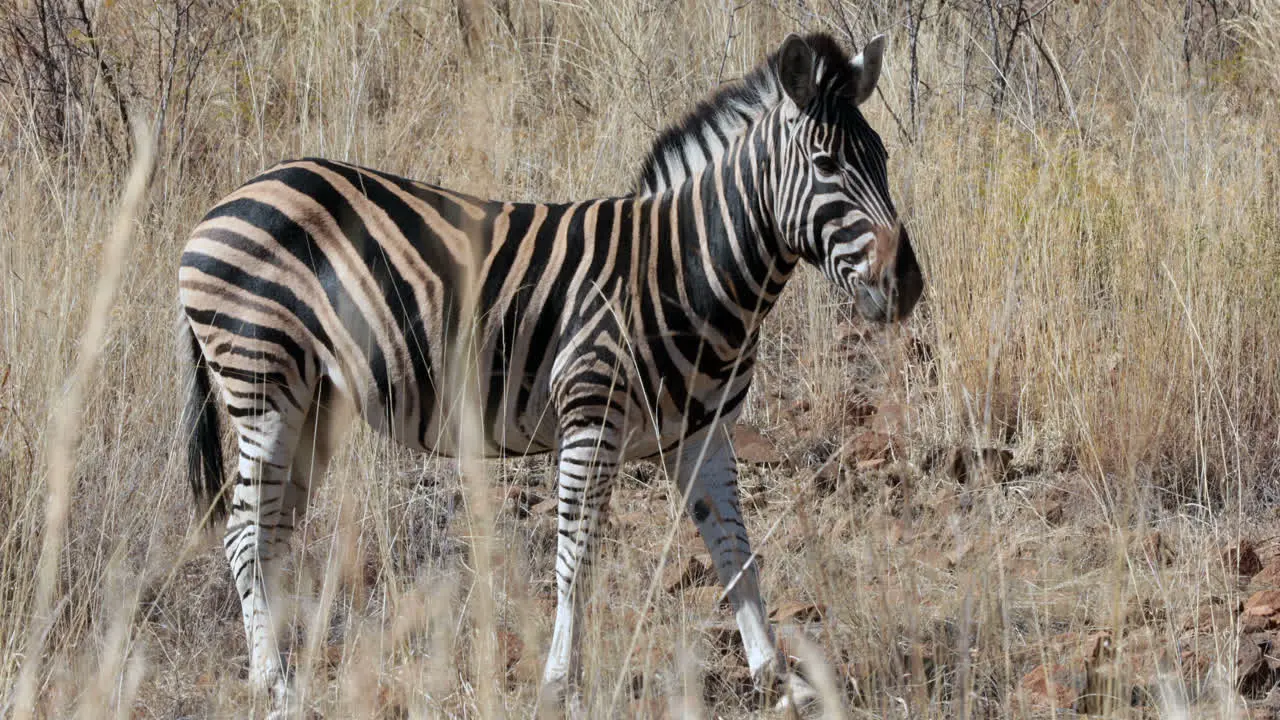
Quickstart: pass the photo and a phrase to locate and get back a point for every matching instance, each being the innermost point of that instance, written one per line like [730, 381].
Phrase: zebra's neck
[729, 257]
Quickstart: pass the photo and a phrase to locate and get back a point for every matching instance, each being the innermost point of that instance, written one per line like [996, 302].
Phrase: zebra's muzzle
[898, 285]
[872, 303]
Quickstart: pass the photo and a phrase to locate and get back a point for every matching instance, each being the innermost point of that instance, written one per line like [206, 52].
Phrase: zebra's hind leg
[268, 426]
[706, 473]
[318, 437]
[589, 459]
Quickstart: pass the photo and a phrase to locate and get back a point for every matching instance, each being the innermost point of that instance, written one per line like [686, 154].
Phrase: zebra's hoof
[795, 695]
[558, 699]
[284, 701]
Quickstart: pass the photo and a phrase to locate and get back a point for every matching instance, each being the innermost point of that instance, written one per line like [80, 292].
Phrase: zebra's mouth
[872, 303]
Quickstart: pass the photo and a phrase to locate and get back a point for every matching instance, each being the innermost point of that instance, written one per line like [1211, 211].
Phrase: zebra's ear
[796, 71]
[866, 69]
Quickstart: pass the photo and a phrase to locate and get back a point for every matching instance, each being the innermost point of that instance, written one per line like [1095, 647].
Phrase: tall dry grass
[1102, 252]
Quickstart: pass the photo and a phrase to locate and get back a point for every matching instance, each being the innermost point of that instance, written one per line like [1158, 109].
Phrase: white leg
[257, 537]
[588, 465]
[711, 499]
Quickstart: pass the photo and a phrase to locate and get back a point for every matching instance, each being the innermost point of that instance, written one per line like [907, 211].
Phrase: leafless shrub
[53, 56]
[1206, 29]
[85, 69]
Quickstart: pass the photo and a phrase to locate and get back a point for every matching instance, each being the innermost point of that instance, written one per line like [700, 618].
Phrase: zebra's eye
[826, 164]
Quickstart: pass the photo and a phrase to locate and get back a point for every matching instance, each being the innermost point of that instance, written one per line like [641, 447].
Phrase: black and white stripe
[606, 330]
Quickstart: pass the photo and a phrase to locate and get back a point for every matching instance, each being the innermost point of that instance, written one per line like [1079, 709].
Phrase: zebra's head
[831, 201]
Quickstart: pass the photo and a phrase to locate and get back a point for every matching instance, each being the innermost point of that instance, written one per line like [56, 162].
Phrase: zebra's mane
[691, 144]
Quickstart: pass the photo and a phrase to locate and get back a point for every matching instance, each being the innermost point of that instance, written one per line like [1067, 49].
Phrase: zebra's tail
[201, 428]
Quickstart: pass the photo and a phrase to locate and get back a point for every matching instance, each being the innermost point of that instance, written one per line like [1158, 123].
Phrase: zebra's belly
[517, 416]
[495, 424]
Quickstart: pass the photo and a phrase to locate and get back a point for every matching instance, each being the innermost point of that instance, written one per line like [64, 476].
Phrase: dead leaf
[796, 612]
[752, 447]
[516, 500]
[870, 445]
[890, 419]
[697, 572]
[707, 596]
[858, 412]
[550, 506]
[979, 466]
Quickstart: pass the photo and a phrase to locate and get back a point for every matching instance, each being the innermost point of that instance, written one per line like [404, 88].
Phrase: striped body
[372, 264]
[605, 330]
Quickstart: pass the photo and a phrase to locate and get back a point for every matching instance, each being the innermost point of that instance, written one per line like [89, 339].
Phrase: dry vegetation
[1051, 492]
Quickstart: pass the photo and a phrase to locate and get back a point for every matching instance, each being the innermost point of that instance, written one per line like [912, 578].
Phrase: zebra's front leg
[706, 473]
[588, 464]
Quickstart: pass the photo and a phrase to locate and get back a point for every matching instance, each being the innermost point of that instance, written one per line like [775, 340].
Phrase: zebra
[603, 330]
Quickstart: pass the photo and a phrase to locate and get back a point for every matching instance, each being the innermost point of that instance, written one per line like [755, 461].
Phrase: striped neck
[725, 223]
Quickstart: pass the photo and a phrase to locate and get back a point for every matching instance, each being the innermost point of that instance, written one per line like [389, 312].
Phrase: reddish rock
[1268, 578]
[1261, 611]
[1156, 550]
[1049, 687]
[1254, 623]
[1242, 559]
[1263, 603]
[1257, 667]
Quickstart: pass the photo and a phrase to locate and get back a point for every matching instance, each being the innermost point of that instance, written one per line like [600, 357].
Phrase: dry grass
[1103, 270]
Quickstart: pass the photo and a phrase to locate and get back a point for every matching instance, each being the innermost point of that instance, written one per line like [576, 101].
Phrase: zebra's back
[372, 276]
